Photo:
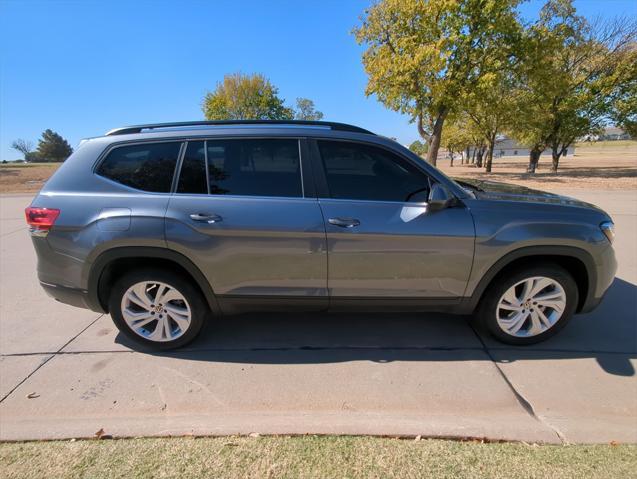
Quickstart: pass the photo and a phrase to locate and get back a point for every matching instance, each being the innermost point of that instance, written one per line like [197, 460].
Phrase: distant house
[507, 147]
[613, 133]
[610, 133]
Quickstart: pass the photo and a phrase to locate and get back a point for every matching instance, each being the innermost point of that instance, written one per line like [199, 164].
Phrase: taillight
[41, 218]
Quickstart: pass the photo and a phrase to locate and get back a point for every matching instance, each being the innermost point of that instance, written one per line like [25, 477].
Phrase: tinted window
[254, 167]
[148, 167]
[192, 178]
[362, 172]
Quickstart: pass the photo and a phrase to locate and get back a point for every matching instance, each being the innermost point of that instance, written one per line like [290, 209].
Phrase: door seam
[327, 259]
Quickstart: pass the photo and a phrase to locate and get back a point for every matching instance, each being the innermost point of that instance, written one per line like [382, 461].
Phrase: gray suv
[164, 226]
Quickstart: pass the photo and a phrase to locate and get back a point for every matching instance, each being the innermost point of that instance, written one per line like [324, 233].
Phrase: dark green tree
[52, 147]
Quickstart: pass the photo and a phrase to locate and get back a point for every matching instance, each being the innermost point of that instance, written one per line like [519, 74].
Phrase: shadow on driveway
[608, 334]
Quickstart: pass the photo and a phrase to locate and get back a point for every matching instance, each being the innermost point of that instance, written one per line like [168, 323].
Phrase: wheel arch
[112, 264]
[576, 261]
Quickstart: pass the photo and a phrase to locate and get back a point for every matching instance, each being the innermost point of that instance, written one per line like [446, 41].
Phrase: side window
[357, 171]
[192, 178]
[147, 167]
[254, 167]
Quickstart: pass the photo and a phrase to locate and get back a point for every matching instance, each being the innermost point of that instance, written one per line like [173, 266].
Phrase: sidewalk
[340, 374]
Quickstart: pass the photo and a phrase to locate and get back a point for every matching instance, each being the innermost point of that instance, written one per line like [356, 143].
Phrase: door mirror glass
[439, 197]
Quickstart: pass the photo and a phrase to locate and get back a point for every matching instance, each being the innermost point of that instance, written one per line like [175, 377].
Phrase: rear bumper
[71, 296]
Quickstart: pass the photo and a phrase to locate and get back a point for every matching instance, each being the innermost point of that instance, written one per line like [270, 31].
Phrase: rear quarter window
[146, 167]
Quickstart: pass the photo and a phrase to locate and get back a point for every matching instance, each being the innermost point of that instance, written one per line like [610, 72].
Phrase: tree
[418, 147]
[489, 108]
[530, 97]
[25, 147]
[456, 138]
[528, 126]
[245, 97]
[424, 57]
[52, 147]
[575, 70]
[624, 97]
[305, 110]
[590, 59]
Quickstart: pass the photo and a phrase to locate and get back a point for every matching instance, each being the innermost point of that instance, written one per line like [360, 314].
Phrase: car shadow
[609, 335]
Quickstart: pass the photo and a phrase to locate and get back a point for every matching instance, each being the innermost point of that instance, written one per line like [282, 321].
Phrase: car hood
[493, 190]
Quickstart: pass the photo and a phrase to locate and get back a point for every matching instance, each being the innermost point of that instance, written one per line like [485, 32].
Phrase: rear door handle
[344, 222]
[203, 217]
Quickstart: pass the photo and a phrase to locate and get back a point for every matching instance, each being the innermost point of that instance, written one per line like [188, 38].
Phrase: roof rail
[153, 126]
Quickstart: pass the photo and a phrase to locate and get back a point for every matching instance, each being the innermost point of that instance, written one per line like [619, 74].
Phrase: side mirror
[439, 198]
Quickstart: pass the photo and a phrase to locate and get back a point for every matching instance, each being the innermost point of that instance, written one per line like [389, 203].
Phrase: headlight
[608, 228]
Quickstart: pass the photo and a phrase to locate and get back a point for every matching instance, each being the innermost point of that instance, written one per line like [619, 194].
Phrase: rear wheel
[157, 308]
[530, 305]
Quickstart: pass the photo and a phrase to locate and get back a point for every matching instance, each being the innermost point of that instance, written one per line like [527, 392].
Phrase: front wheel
[158, 309]
[529, 305]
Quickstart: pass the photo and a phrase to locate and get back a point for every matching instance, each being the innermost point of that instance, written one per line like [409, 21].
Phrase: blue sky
[84, 67]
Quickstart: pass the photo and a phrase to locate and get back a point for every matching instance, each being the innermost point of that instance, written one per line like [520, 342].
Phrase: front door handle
[210, 219]
[344, 222]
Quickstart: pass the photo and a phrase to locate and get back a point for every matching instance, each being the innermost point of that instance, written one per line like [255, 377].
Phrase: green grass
[310, 456]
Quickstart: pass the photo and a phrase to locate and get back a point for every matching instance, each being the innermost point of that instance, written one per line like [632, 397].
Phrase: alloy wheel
[531, 306]
[156, 311]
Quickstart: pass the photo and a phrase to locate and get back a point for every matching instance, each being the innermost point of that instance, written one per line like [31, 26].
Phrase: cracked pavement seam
[525, 403]
[52, 355]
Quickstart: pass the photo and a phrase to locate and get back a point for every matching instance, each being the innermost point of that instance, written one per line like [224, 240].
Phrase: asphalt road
[66, 372]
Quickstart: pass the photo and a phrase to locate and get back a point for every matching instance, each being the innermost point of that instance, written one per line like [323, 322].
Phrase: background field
[25, 177]
[604, 165]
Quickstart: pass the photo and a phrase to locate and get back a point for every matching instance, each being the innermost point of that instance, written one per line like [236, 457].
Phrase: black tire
[198, 307]
[487, 313]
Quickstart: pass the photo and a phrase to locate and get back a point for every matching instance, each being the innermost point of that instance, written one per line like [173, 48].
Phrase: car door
[383, 239]
[253, 228]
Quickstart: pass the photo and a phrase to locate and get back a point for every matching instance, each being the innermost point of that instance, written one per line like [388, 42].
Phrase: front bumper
[606, 268]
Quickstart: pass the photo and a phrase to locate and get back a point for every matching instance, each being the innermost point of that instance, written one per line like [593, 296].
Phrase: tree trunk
[451, 154]
[556, 153]
[479, 157]
[473, 155]
[436, 137]
[534, 158]
[490, 154]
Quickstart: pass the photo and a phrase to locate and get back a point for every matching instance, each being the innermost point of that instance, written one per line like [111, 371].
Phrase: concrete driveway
[66, 372]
